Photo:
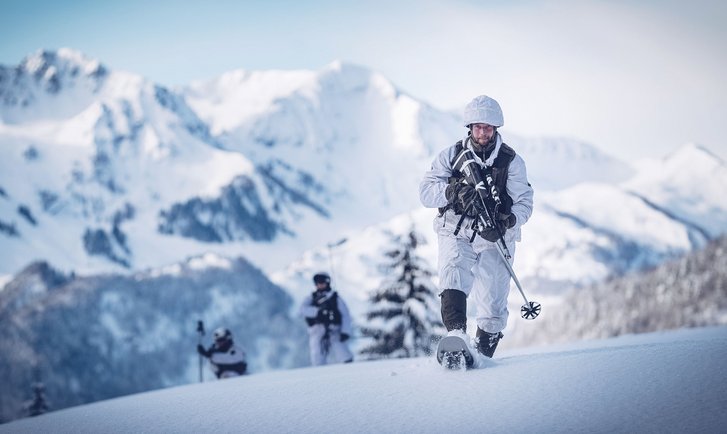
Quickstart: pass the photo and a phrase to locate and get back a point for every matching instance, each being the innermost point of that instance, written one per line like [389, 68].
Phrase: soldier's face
[482, 133]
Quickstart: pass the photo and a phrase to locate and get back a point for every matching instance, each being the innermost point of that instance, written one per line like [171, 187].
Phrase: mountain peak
[347, 76]
[346, 73]
[347, 67]
[693, 152]
[30, 90]
[45, 64]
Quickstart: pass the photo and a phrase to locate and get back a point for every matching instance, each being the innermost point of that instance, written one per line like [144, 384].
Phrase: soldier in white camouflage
[469, 262]
[329, 323]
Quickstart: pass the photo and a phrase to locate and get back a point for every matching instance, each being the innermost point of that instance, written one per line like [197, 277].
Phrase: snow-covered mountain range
[108, 170]
[103, 170]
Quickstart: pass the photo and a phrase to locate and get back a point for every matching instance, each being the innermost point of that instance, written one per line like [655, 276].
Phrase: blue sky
[635, 78]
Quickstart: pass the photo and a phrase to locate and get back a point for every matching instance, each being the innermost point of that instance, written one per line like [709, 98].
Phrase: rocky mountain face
[28, 90]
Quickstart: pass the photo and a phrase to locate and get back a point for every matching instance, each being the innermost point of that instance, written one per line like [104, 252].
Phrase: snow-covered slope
[557, 163]
[689, 185]
[664, 382]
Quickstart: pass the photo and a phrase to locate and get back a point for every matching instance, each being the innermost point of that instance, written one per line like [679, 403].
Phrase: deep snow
[660, 382]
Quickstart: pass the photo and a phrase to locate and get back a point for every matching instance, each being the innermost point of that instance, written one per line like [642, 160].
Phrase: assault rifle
[485, 187]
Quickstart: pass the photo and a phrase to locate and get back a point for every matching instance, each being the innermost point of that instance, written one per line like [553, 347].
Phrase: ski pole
[530, 310]
[330, 255]
[200, 330]
[467, 164]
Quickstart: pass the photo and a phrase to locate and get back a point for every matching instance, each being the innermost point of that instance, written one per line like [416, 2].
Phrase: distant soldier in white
[226, 359]
[329, 323]
[468, 257]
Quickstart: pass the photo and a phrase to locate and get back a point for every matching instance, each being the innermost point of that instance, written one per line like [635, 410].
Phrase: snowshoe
[454, 354]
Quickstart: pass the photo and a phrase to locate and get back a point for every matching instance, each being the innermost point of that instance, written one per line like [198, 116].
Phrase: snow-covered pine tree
[403, 319]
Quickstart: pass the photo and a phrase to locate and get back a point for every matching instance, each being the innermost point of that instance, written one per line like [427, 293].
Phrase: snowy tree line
[688, 292]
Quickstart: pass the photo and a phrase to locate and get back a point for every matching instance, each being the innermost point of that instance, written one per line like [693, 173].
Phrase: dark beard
[482, 150]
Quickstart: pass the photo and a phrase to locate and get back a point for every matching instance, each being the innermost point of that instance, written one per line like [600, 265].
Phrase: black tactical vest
[499, 171]
[328, 313]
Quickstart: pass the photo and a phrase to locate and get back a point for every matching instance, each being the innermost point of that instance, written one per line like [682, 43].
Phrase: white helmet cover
[483, 110]
[222, 334]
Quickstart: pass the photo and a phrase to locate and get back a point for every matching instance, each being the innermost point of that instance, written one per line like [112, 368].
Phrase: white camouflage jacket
[434, 183]
[308, 310]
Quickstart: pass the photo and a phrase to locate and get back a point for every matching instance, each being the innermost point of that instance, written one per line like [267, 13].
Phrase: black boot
[454, 309]
[487, 342]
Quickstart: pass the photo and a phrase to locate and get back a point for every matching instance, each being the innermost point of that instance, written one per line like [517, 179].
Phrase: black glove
[507, 220]
[344, 337]
[504, 222]
[201, 350]
[470, 201]
[451, 191]
[491, 235]
[465, 198]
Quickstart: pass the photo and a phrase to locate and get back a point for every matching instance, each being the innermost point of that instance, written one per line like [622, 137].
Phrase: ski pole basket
[530, 310]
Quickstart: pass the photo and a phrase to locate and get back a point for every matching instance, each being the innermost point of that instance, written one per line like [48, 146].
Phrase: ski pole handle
[200, 330]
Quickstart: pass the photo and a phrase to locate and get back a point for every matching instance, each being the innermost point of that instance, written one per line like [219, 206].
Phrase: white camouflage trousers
[333, 351]
[475, 268]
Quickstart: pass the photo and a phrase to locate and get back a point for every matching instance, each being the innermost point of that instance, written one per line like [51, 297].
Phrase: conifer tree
[403, 319]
